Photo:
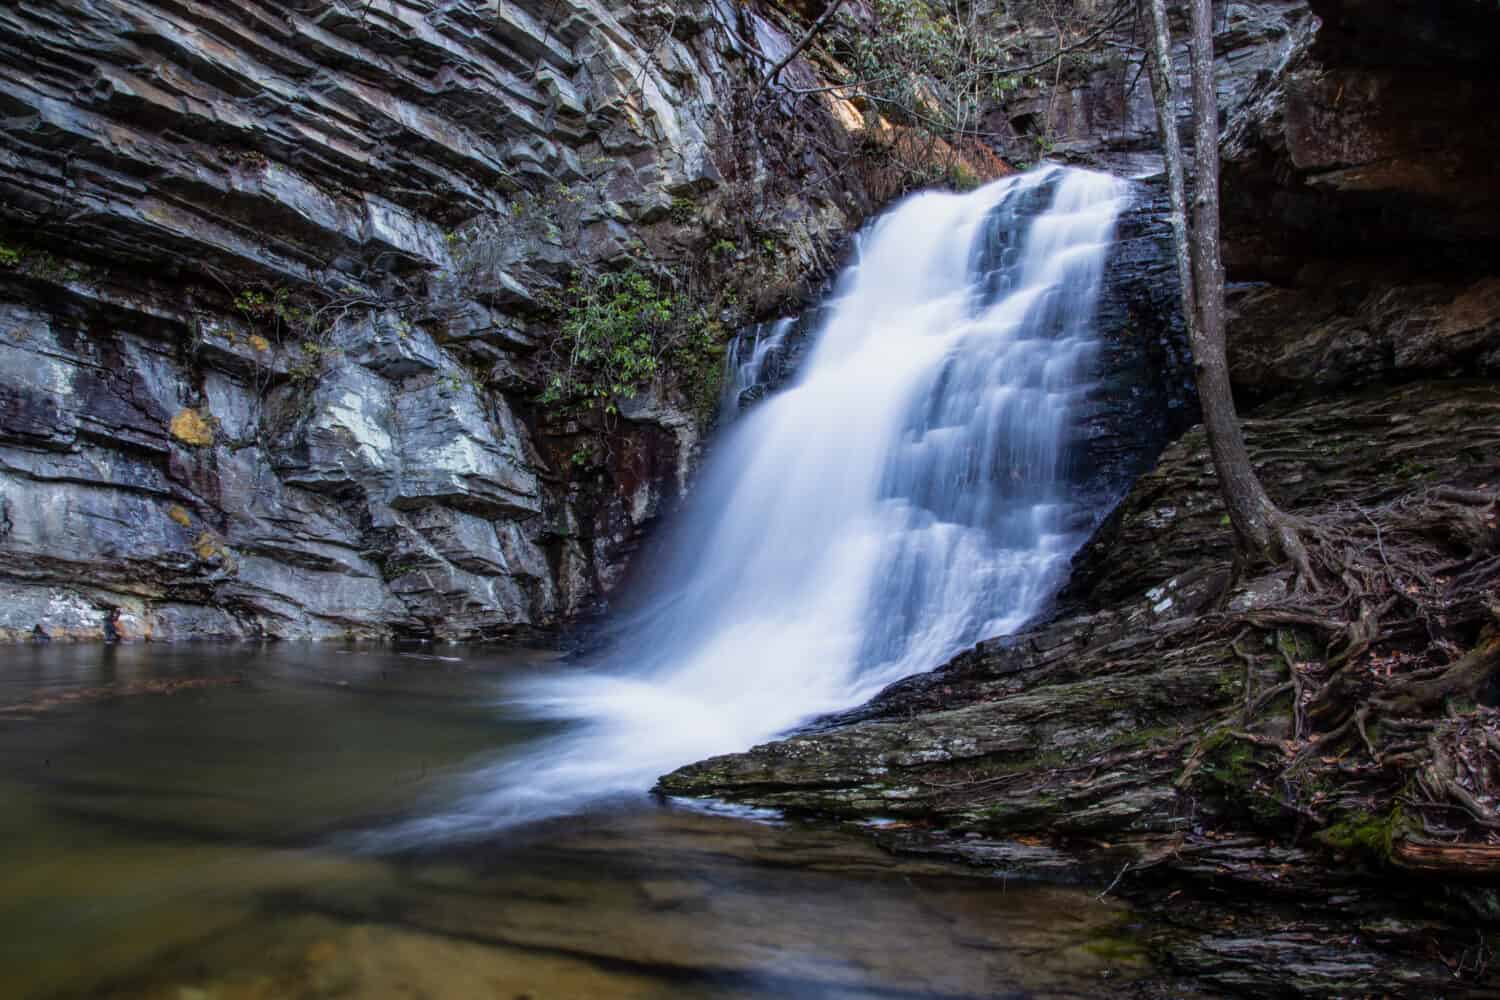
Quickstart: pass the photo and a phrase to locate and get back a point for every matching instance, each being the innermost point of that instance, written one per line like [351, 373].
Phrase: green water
[172, 822]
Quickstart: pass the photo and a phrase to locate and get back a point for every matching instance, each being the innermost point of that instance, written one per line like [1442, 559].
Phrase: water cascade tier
[906, 495]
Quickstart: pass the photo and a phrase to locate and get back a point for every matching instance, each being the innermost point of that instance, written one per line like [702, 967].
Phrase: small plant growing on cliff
[251, 304]
[307, 364]
[615, 327]
[621, 330]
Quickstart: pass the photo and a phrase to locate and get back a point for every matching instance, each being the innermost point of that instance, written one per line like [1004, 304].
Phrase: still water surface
[187, 823]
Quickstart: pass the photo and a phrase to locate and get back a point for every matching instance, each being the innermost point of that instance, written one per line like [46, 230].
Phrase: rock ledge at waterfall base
[1062, 751]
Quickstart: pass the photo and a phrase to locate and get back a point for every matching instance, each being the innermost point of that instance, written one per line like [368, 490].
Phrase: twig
[812, 33]
[1109, 888]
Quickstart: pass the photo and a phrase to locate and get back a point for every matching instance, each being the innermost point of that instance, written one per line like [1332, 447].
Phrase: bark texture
[1262, 532]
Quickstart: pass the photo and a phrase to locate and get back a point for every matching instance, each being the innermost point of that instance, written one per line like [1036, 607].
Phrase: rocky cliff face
[1362, 221]
[1094, 106]
[278, 288]
[281, 289]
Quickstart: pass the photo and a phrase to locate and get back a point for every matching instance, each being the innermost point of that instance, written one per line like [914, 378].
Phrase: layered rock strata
[274, 300]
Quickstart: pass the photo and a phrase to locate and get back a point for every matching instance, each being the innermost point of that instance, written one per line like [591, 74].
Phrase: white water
[906, 496]
[747, 363]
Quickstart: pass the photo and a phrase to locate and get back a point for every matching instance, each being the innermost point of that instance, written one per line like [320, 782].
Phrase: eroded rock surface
[280, 294]
[1086, 735]
[1360, 210]
[274, 287]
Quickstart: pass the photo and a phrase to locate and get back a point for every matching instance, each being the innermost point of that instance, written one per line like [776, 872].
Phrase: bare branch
[812, 33]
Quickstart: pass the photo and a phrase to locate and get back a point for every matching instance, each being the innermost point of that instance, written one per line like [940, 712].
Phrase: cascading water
[749, 357]
[906, 496]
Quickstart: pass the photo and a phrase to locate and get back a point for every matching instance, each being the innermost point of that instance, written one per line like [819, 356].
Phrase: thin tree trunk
[1164, 92]
[1262, 532]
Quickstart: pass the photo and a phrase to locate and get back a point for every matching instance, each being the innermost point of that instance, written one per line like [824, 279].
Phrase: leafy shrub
[620, 331]
[615, 329]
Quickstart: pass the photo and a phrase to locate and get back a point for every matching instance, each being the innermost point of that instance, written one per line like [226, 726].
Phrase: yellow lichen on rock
[209, 547]
[180, 515]
[190, 427]
[261, 344]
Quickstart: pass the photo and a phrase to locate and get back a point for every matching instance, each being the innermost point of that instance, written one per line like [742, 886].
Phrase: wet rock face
[258, 377]
[1145, 396]
[1097, 109]
[1080, 725]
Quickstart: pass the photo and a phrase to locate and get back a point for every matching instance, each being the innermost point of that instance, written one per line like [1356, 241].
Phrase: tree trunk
[1262, 532]
[1164, 91]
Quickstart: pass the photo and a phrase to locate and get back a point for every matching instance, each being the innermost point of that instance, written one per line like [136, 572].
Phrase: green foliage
[251, 304]
[936, 65]
[274, 308]
[622, 330]
[40, 264]
[1365, 834]
[961, 178]
[1228, 761]
[698, 360]
[307, 363]
[49, 268]
[954, 175]
[392, 571]
[615, 329]
[1232, 773]
[306, 329]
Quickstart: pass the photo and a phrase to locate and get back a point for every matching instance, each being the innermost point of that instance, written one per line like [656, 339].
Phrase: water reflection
[174, 842]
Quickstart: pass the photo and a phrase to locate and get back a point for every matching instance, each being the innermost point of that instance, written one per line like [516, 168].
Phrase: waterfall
[748, 361]
[904, 497]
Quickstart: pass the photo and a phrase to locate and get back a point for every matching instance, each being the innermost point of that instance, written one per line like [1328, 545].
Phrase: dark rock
[1065, 748]
[261, 222]
[1145, 396]
[1359, 448]
[1359, 205]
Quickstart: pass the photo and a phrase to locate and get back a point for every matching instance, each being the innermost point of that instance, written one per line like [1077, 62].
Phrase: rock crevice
[277, 286]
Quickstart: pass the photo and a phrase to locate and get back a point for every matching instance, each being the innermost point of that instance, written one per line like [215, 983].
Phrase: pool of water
[191, 823]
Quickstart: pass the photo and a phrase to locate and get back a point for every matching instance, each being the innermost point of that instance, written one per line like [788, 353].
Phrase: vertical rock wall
[274, 300]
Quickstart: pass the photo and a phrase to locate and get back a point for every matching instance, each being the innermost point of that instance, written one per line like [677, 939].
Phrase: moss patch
[209, 547]
[1365, 834]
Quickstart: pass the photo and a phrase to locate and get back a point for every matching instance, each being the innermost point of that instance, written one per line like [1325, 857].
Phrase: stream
[178, 822]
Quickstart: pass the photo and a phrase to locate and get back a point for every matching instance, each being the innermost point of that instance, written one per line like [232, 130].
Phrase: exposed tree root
[1404, 600]
[1445, 859]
